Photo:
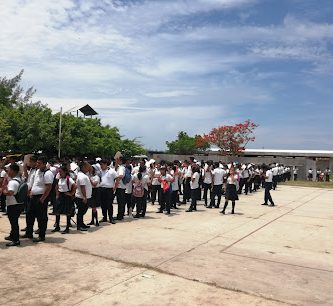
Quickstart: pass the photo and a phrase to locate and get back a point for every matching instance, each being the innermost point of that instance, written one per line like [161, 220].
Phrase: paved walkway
[259, 256]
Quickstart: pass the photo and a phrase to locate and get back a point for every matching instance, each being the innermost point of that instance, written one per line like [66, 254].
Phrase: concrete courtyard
[259, 256]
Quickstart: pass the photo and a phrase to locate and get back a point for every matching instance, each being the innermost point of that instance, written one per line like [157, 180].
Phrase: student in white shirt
[3, 180]
[218, 179]
[166, 180]
[187, 179]
[155, 184]
[107, 187]
[120, 186]
[65, 190]
[207, 181]
[40, 190]
[231, 193]
[95, 179]
[295, 173]
[14, 208]
[268, 186]
[83, 194]
[129, 189]
[194, 184]
[175, 172]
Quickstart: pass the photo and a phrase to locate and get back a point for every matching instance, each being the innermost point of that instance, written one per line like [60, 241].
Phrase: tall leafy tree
[184, 144]
[232, 139]
[12, 93]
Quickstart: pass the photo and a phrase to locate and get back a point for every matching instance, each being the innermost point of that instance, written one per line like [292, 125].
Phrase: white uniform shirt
[13, 185]
[83, 180]
[195, 183]
[175, 183]
[31, 177]
[96, 180]
[269, 176]
[208, 179]
[188, 172]
[121, 172]
[41, 178]
[218, 176]
[107, 178]
[155, 177]
[129, 186]
[65, 184]
[3, 173]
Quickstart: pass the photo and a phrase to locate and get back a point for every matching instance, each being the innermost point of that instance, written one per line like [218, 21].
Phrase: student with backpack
[15, 192]
[39, 194]
[65, 191]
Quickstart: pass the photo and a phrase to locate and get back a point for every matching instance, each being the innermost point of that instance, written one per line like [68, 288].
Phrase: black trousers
[37, 210]
[107, 196]
[138, 202]
[295, 177]
[165, 203]
[241, 185]
[207, 187]
[129, 201]
[14, 212]
[268, 197]
[82, 208]
[155, 191]
[187, 189]
[275, 181]
[3, 202]
[120, 194]
[217, 191]
[174, 198]
[194, 198]
[247, 184]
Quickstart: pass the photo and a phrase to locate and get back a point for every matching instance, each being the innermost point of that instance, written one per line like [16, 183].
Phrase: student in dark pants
[83, 195]
[194, 188]
[39, 194]
[231, 191]
[268, 186]
[120, 186]
[165, 180]
[106, 189]
[14, 208]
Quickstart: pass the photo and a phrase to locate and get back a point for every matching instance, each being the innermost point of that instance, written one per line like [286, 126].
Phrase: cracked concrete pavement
[259, 256]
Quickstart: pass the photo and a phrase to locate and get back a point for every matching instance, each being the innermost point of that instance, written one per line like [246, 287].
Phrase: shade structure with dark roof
[88, 111]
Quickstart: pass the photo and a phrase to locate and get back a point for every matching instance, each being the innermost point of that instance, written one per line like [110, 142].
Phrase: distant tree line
[28, 127]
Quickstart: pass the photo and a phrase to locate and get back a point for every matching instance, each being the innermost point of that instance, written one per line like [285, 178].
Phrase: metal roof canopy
[87, 111]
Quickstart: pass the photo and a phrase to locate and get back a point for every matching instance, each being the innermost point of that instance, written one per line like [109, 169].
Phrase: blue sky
[157, 67]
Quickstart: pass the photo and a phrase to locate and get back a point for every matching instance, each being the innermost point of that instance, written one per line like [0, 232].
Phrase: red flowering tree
[201, 143]
[232, 139]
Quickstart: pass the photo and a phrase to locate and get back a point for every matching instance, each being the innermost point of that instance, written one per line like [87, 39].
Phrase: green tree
[184, 144]
[30, 127]
[12, 93]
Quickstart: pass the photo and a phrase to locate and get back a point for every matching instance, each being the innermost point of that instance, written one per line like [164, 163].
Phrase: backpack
[127, 177]
[22, 192]
[138, 190]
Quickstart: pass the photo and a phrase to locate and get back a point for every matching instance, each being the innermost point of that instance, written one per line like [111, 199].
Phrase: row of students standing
[94, 184]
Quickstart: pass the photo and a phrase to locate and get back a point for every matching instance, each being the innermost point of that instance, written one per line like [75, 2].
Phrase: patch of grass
[328, 185]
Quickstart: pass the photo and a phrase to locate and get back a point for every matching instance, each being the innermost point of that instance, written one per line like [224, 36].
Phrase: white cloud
[124, 58]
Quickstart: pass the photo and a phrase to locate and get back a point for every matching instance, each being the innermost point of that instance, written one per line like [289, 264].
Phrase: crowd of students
[72, 187]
